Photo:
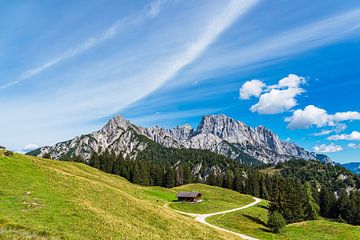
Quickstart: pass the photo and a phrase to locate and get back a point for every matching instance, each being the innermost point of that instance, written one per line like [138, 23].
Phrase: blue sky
[66, 67]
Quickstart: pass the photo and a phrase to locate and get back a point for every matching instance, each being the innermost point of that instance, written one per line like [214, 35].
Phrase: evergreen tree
[342, 205]
[211, 179]
[354, 208]
[239, 180]
[311, 206]
[169, 179]
[228, 180]
[263, 189]
[136, 175]
[276, 222]
[94, 160]
[187, 173]
[327, 203]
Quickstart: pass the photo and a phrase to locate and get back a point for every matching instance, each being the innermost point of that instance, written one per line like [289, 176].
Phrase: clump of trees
[296, 202]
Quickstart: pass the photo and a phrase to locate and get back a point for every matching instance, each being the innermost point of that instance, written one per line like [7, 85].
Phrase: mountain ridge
[217, 133]
[352, 166]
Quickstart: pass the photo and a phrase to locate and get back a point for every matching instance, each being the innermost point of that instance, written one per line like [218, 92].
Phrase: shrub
[276, 222]
[8, 153]
[47, 155]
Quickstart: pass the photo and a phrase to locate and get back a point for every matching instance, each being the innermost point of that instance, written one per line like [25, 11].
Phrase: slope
[44, 199]
[252, 221]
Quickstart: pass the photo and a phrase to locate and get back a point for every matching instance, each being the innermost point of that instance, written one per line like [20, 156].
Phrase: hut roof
[188, 194]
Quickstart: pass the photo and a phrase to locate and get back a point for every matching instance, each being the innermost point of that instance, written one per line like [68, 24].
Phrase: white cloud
[277, 101]
[323, 148]
[291, 81]
[344, 116]
[314, 116]
[30, 147]
[355, 135]
[311, 115]
[354, 145]
[338, 128]
[322, 133]
[276, 98]
[251, 88]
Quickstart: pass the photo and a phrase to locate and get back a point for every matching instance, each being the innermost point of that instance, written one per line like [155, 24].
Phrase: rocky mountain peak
[182, 133]
[225, 128]
[215, 124]
[117, 122]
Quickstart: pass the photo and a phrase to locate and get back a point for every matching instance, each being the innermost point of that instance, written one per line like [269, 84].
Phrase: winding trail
[201, 218]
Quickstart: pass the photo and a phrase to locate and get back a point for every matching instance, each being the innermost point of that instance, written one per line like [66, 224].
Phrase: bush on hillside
[276, 222]
[47, 155]
[8, 153]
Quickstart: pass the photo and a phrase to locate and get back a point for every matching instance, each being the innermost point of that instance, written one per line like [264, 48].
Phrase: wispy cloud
[211, 32]
[260, 52]
[150, 11]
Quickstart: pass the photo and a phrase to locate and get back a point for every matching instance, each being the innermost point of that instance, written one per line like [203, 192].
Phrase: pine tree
[238, 184]
[169, 179]
[327, 203]
[94, 160]
[311, 206]
[342, 205]
[187, 173]
[211, 179]
[263, 190]
[276, 222]
[228, 180]
[136, 175]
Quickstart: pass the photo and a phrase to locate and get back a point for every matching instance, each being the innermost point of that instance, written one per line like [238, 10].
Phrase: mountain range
[352, 166]
[217, 133]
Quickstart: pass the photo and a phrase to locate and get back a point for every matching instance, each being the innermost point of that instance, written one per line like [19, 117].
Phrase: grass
[45, 199]
[252, 222]
[215, 199]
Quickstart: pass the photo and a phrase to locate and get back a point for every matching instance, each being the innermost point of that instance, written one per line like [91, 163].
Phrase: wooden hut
[188, 196]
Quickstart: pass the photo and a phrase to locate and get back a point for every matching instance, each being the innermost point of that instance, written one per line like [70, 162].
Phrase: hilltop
[45, 199]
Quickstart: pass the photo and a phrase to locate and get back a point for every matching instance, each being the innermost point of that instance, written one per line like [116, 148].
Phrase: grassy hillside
[252, 221]
[215, 199]
[45, 199]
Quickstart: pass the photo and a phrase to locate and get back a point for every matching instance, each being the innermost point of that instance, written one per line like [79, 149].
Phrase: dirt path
[201, 218]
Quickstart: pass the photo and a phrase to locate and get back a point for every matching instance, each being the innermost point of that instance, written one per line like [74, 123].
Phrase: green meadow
[45, 199]
[252, 222]
[214, 199]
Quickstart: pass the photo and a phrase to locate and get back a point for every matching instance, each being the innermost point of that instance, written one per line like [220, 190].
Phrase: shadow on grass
[266, 230]
[264, 207]
[256, 220]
